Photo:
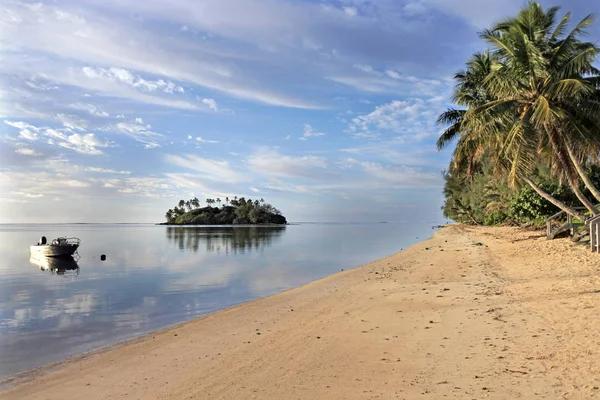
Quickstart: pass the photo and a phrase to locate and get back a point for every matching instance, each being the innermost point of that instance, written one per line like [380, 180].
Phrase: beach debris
[516, 371]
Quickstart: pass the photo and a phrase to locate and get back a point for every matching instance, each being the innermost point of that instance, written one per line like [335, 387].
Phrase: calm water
[156, 276]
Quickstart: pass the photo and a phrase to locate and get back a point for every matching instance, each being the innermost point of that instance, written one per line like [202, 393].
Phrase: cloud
[214, 170]
[90, 108]
[210, 103]
[199, 139]
[137, 130]
[106, 171]
[27, 131]
[412, 119]
[474, 12]
[370, 80]
[124, 76]
[153, 187]
[310, 132]
[84, 144]
[99, 36]
[72, 121]
[269, 162]
[351, 11]
[27, 151]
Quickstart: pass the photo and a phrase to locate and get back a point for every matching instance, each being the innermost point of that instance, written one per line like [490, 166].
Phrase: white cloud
[30, 195]
[84, 144]
[309, 131]
[410, 119]
[269, 162]
[210, 169]
[124, 76]
[103, 37]
[72, 121]
[90, 108]
[389, 81]
[27, 151]
[210, 103]
[26, 131]
[28, 135]
[106, 171]
[137, 130]
[140, 186]
[199, 139]
[402, 176]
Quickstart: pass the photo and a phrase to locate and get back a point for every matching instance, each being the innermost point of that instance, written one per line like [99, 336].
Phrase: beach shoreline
[468, 313]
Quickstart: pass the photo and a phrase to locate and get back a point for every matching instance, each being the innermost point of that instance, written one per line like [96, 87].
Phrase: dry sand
[472, 313]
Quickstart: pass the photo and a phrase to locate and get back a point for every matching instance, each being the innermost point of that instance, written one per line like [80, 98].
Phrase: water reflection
[235, 239]
[156, 276]
[56, 265]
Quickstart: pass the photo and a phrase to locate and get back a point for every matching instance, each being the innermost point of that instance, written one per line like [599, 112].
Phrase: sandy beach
[471, 313]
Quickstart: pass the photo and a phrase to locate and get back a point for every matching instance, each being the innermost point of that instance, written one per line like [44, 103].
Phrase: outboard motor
[43, 240]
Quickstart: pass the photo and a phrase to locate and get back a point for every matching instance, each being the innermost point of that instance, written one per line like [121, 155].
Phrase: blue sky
[113, 110]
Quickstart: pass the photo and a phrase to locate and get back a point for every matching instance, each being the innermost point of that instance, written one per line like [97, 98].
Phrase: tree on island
[239, 211]
[530, 119]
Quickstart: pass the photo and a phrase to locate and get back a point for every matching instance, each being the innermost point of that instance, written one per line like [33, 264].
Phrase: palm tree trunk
[556, 202]
[584, 200]
[586, 180]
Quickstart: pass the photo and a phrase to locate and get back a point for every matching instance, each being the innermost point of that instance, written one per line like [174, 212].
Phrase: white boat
[61, 246]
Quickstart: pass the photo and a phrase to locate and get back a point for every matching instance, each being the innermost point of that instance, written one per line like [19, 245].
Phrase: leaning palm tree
[538, 102]
[544, 86]
[479, 136]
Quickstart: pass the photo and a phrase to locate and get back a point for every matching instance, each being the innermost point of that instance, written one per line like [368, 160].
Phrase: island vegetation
[526, 127]
[234, 211]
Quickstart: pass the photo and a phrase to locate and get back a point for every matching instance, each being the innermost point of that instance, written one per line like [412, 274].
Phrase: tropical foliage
[529, 103]
[233, 212]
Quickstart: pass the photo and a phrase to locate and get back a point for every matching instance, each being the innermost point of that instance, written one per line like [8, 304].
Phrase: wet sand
[471, 313]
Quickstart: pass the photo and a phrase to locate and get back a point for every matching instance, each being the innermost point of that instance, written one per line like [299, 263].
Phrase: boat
[56, 265]
[61, 246]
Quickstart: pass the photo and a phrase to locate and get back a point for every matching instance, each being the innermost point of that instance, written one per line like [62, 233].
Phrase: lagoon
[156, 276]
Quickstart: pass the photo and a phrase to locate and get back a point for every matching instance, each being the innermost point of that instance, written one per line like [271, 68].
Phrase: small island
[233, 212]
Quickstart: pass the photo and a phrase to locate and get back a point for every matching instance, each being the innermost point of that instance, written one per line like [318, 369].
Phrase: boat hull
[55, 264]
[50, 250]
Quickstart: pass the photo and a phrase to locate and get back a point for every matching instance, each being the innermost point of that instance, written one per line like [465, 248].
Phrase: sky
[114, 110]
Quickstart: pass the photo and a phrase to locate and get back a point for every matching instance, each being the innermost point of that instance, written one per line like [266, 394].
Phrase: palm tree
[475, 143]
[545, 89]
[226, 200]
[538, 104]
[219, 201]
[181, 203]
